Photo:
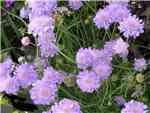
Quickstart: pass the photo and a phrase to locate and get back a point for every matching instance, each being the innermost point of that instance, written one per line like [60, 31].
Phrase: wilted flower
[43, 92]
[66, 106]
[134, 107]
[53, 76]
[88, 81]
[75, 4]
[26, 75]
[140, 64]
[131, 27]
[25, 41]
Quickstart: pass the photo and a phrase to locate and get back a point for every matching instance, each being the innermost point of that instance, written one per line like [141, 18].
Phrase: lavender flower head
[40, 25]
[75, 4]
[9, 85]
[66, 106]
[47, 45]
[26, 75]
[53, 76]
[88, 81]
[102, 69]
[134, 107]
[24, 12]
[84, 58]
[121, 47]
[140, 64]
[117, 46]
[102, 19]
[131, 27]
[43, 92]
[121, 11]
[41, 7]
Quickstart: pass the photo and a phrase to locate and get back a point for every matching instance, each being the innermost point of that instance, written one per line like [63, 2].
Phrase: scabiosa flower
[75, 4]
[40, 25]
[43, 92]
[47, 44]
[121, 11]
[134, 107]
[26, 75]
[53, 76]
[102, 19]
[140, 64]
[121, 47]
[88, 81]
[84, 58]
[102, 69]
[66, 106]
[131, 27]
[9, 85]
[41, 7]
[117, 46]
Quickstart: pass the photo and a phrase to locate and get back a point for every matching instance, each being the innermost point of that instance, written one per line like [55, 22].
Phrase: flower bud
[25, 41]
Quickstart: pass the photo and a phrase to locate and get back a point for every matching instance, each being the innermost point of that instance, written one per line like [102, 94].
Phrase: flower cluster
[134, 107]
[42, 24]
[129, 25]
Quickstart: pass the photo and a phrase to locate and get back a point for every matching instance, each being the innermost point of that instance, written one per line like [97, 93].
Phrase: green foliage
[73, 32]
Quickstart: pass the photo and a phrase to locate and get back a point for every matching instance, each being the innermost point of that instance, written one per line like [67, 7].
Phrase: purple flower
[117, 46]
[84, 58]
[88, 81]
[75, 4]
[43, 92]
[131, 27]
[9, 85]
[121, 47]
[47, 44]
[66, 106]
[41, 7]
[102, 19]
[140, 64]
[134, 107]
[26, 75]
[5, 68]
[121, 11]
[40, 25]
[102, 69]
[53, 76]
